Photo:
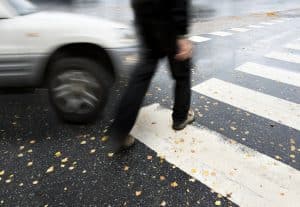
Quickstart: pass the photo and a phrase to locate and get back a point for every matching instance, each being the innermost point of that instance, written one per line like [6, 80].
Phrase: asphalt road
[45, 162]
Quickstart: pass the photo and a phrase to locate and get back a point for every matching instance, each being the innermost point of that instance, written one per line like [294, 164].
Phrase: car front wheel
[78, 89]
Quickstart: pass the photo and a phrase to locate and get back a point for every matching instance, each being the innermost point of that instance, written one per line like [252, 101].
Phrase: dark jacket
[160, 22]
[174, 12]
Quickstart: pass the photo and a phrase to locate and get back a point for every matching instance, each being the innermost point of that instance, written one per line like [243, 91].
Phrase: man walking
[162, 26]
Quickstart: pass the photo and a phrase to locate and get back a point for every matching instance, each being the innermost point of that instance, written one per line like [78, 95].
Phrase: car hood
[72, 25]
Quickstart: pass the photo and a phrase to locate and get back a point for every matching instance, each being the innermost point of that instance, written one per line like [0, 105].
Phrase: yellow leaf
[205, 173]
[110, 154]
[104, 138]
[57, 154]
[126, 168]
[83, 142]
[292, 156]
[174, 184]
[92, 151]
[35, 182]
[64, 160]
[29, 164]
[32, 142]
[293, 148]
[218, 203]
[2, 172]
[163, 203]
[194, 170]
[50, 169]
[138, 193]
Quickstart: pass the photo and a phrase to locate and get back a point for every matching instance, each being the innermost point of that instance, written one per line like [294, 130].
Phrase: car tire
[78, 89]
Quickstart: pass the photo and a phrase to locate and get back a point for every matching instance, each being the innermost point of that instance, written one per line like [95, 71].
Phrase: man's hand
[185, 49]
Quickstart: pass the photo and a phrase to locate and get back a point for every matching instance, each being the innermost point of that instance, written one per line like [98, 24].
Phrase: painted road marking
[272, 73]
[277, 21]
[237, 29]
[221, 33]
[285, 56]
[199, 39]
[256, 26]
[267, 23]
[250, 178]
[293, 46]
[270, 107]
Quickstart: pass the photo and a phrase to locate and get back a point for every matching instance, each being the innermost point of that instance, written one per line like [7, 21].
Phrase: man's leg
[133, 97]
[181, 71]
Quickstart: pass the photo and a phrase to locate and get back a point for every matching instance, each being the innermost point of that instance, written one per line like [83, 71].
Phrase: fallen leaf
[162, 177]
[2, 172]
[293, 148]
[62, 165]
[84, 171]
[292, 156]
[50, 169]
[218, 203]
[219, 195]
[110, 154]
[126, 168]
[138, 193]
[29, 151]
[71, 168]
[282, 194]
[149, 157]
[278, 157]
[104, 138]
[174, 184]
[83, 142]
[205, 173]
[192, 180]
[35, 182]
[92, 138]
[64, 160]
[32, 142]
[8, 181]
[163, 203]
[21, 147]
[20, 155]
[29, 164]
[92, 151]
[194, 170]
[57, 154]
[233, 128]
[21, 184]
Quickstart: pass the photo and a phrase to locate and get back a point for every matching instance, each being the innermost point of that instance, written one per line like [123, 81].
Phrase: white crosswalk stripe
[294, 46]
[221, 33]
[256, 26]
[272, 73]
[250, 178]
[267, 23]
[270, 107]
[237, 29]
[198, 39]
[285, 56]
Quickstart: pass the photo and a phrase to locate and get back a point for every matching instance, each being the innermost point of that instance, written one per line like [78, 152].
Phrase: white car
[76, 57]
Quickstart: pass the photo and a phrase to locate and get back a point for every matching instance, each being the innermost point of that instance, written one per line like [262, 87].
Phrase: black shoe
[181, 125]
[122, 146]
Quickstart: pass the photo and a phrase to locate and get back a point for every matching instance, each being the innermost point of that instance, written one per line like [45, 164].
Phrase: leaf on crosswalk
[218, 203]
[126, 168]
[205, 173]
[292, 156]
[194, 170]
[278, 157]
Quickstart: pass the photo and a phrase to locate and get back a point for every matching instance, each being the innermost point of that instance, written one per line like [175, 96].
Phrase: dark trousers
[138, 85]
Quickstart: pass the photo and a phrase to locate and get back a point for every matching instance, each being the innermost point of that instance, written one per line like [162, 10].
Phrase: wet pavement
[45, 162]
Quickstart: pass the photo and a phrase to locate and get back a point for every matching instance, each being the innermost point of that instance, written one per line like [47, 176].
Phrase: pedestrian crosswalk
[245, 176]
[273, 73]
[270, 107]
[284, 56]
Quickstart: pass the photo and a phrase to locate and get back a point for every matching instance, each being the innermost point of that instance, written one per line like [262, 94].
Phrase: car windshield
[22, 7]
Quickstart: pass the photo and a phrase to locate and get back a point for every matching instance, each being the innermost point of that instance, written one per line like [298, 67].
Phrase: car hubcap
[76, 92]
